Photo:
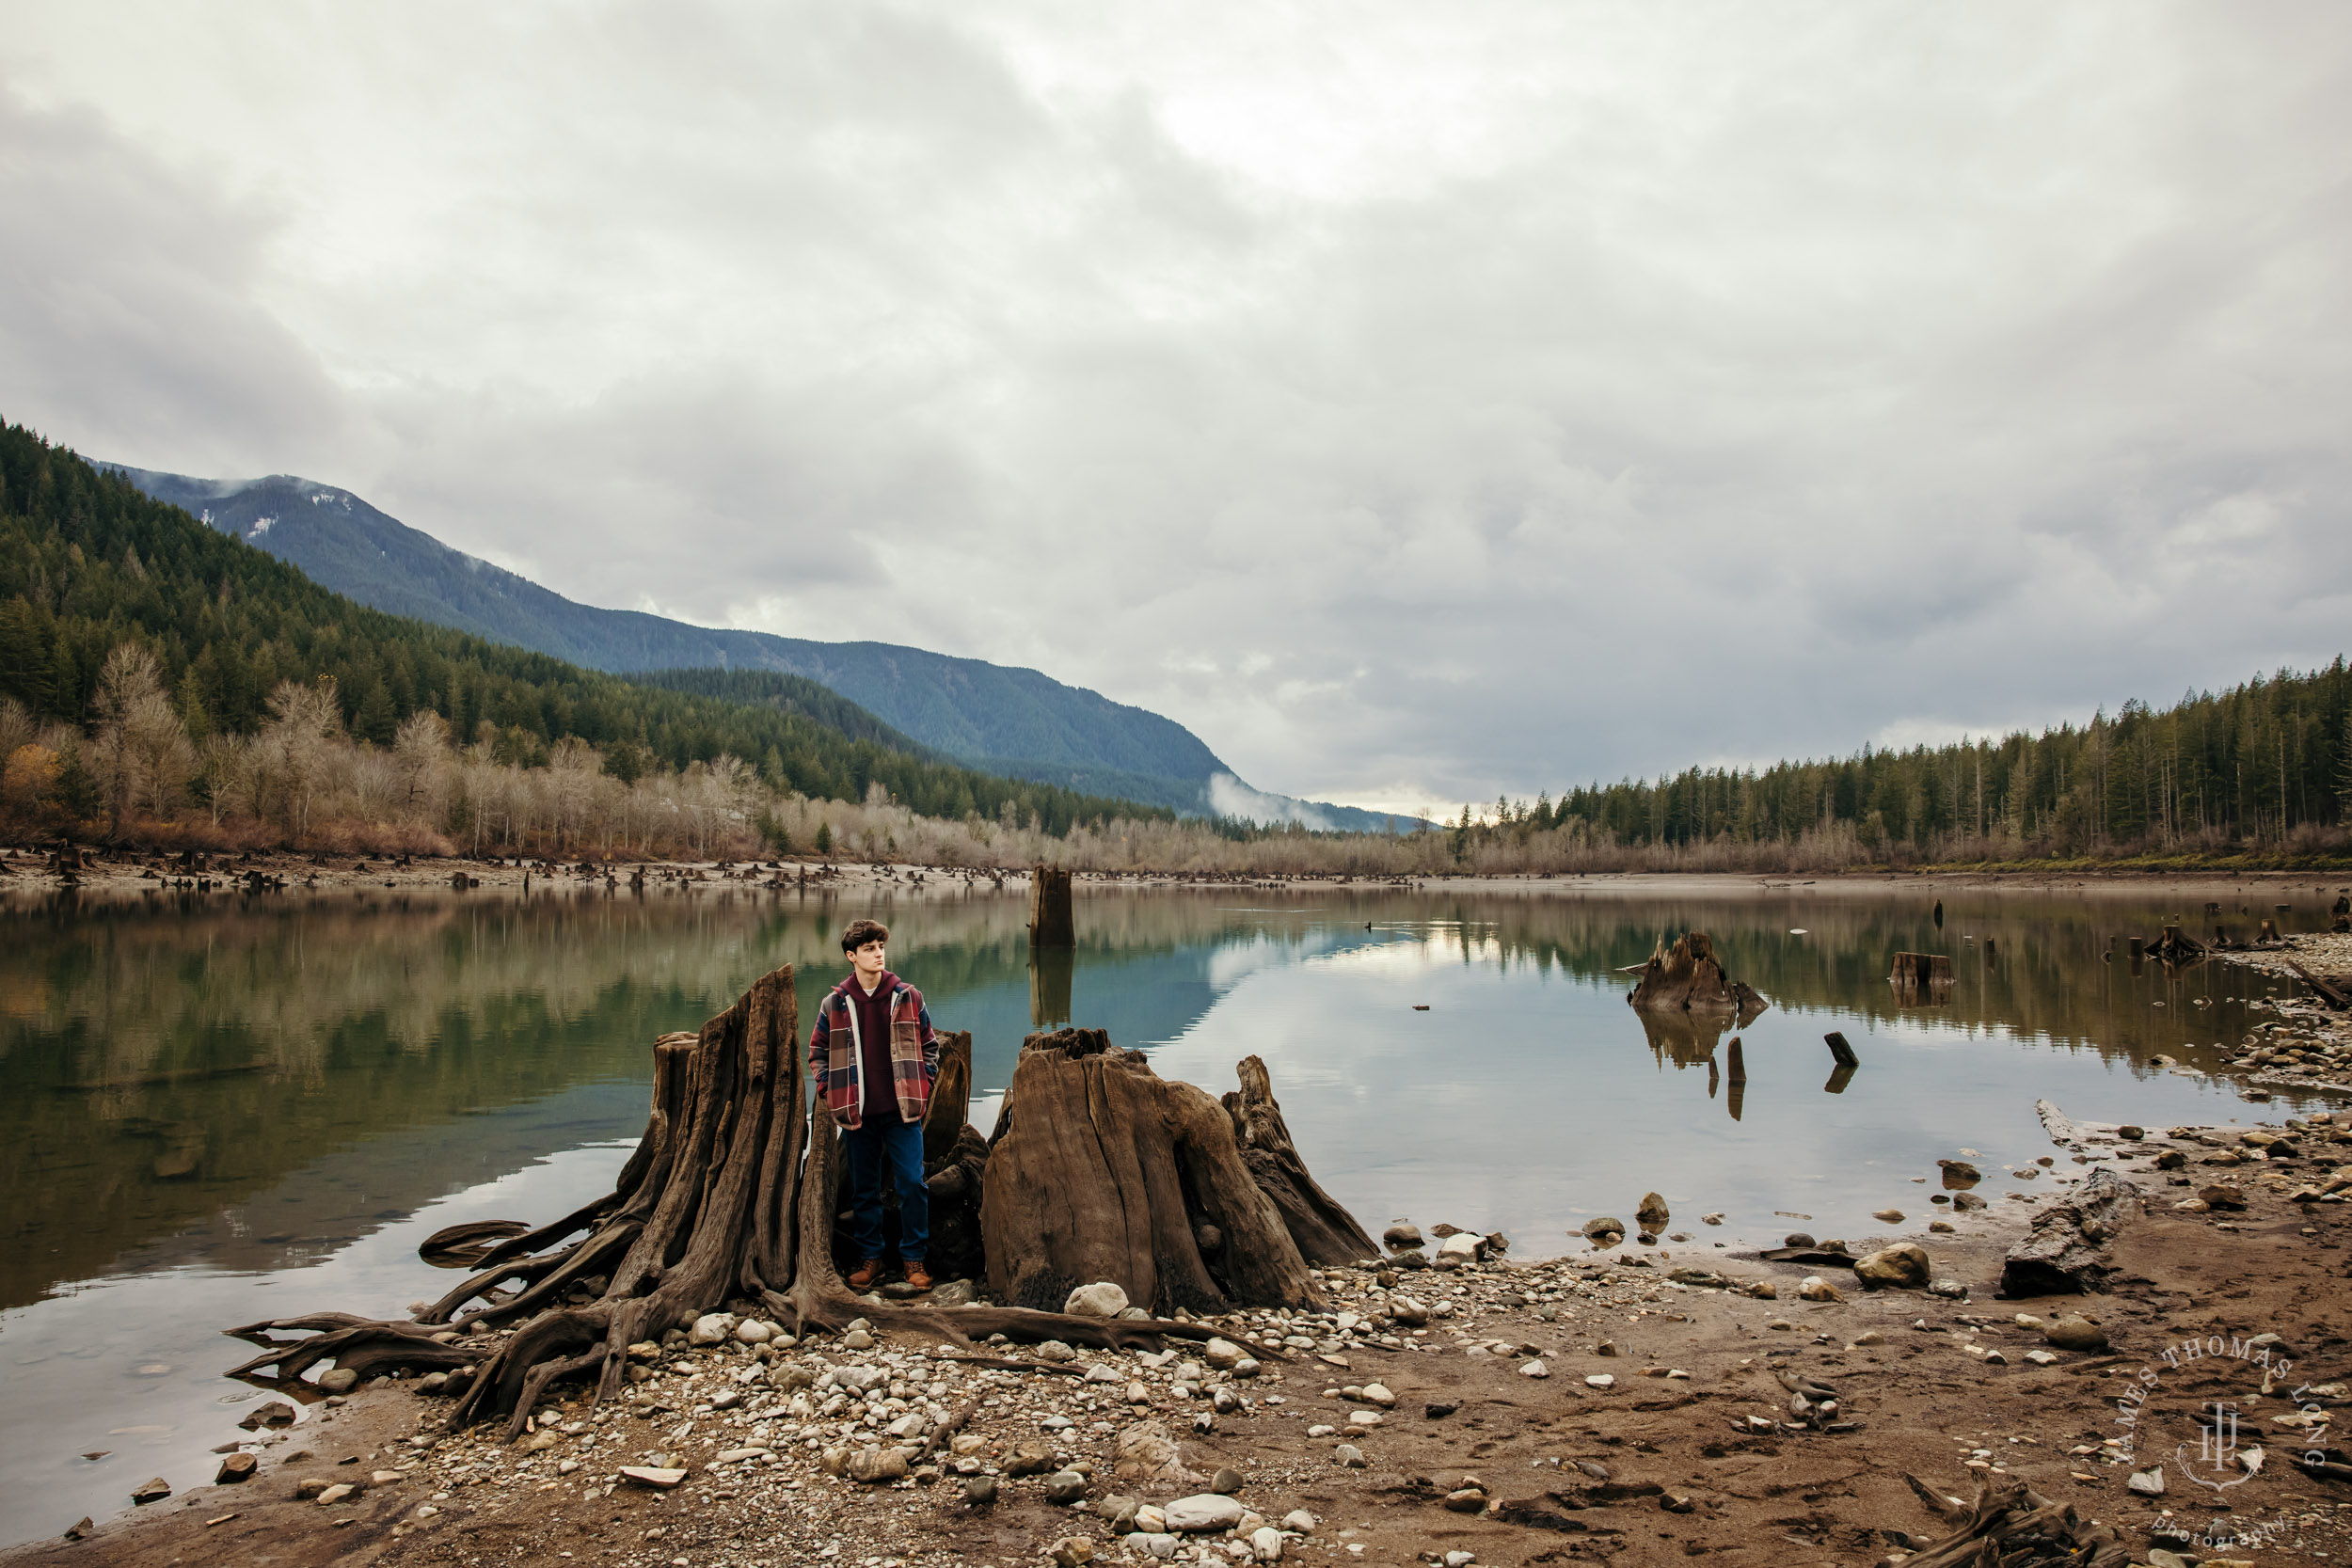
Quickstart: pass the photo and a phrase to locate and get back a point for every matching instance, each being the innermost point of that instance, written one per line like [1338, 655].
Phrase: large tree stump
[1325, 1234]
[1688, 977]
[718, 1203]
[1050, 921]
[1099, 1169]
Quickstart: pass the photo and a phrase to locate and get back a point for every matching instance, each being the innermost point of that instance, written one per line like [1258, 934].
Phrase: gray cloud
[1417, 408]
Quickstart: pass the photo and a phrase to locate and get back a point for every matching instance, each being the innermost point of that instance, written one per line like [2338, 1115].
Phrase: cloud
[1230, 796]
[1416, 406]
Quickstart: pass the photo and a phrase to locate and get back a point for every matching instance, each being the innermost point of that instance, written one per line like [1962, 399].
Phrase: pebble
[339, 1380]
[1534, 1369]
[1600, 1380]
[980, 1491]
[660, 1478]
[1065, 1488]
[1349, 1455]
[152, 1490]
[236, 1468]
[1072, 1550]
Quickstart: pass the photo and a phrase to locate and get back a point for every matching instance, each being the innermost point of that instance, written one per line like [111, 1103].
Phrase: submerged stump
[1688, 977]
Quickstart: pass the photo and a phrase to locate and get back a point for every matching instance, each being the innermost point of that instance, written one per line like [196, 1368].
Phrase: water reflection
[220, 1113]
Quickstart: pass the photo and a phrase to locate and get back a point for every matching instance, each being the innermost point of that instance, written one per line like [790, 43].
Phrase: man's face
[869, 959]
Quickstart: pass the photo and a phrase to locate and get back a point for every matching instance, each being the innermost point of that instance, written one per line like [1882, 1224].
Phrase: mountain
[87, 559]
[1017, 722]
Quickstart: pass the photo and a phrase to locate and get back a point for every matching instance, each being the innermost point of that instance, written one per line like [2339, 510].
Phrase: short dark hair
[863, 931]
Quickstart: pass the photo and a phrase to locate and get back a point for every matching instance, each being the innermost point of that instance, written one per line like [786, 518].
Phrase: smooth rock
[1652, 1213]
[858, 1338]
[1299, 1522]
[1202, 1513]
[1605, 1225]
[2146, 1483]
[1349, 1455]
[1534, 1369]
[750, 1331]
[1814, 1287]
[342, 1491]
[1072, 1550]
[1227, 1481]
[1402, 1236]
[2073, 1332]
[1602, 1380]
[980, 1491]
[1377, 1393]
[1157, 1544]
[1888, 1216]
[236, 1468]
[1464, 1245]
[711, 1329]
[277, 1413]
[1266, 1541]
[1065, 1488]
[1903, 1266]
[152, 1490]
[1102, 1299]
[876, 1466]
[339, 1380]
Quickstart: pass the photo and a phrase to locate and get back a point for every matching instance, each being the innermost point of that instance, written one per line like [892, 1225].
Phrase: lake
[250, 1108]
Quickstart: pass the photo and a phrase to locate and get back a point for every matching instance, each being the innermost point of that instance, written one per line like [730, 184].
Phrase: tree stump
[731, 1194]
[1690, 977]
[1050, 923]
[1099, 1169]
[1928, 974]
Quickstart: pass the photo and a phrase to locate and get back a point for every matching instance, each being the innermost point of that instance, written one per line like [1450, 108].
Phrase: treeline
[88, 564]
[2264, 768]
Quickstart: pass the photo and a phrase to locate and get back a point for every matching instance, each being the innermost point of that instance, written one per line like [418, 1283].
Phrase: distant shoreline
[115, 874]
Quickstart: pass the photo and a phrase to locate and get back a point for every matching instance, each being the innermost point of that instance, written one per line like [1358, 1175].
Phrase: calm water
[252, 1110]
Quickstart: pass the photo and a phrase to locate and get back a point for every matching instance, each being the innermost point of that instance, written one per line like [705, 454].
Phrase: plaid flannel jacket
[841, 1074]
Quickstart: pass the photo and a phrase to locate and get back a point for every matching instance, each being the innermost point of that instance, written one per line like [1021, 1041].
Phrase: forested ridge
[2264, 766]
[88, 564]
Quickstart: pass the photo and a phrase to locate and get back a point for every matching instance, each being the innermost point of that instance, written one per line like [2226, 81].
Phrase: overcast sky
[1417, 402]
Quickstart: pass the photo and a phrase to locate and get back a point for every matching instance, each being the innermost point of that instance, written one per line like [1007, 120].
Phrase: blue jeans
[897, 1148]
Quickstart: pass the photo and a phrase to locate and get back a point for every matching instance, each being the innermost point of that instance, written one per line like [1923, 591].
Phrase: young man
[874, 1058]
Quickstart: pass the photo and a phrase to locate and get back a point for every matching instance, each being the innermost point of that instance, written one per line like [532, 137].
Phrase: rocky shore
[1630, 1403]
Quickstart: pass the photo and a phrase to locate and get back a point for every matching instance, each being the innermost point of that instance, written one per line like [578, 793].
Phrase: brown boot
[918, 1275]
[864, 1276]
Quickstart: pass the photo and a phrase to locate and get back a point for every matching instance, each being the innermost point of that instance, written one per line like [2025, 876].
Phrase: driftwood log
[730, 1196]
[2066, 1251]
[2012, 1526]
[1099, 1169]
[1688, 977]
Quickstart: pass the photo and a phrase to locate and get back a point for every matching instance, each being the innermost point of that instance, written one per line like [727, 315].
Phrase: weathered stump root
[716, 1204]
[1326, 1234]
